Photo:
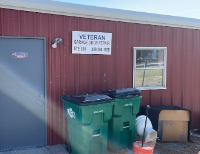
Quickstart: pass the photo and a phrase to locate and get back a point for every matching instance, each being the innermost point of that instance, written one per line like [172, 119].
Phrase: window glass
[149, 58]
[149, 78]
[149, 67]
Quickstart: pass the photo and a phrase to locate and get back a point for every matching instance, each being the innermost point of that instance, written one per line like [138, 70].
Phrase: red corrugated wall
[73, 74]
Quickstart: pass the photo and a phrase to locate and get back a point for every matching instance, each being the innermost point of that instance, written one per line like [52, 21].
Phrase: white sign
[91, 42]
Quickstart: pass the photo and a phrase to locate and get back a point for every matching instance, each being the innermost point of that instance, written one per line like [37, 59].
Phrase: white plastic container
[140, 124]
[150, 133]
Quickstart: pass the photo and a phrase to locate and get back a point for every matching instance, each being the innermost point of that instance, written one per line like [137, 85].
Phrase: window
[149, 70]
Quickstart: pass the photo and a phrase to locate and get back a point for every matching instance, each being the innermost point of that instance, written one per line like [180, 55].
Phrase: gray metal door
[22, 93]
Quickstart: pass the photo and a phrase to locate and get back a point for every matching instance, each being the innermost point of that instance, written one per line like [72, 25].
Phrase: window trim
[164, 68]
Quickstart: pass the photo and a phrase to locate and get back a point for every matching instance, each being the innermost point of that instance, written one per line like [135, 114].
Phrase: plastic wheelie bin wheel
[68, 148]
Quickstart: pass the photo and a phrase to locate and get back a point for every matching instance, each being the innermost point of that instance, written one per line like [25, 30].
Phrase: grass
[149, 77]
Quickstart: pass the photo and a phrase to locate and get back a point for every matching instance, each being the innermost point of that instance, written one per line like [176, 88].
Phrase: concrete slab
[41, 150]
[58, 149]
[129, 152]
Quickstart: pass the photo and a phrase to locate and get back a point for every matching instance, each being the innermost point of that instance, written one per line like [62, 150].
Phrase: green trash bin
[87, 121]
[121, 128]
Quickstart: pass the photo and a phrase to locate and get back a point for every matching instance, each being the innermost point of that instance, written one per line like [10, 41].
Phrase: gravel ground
[174, 147]
[179, 147]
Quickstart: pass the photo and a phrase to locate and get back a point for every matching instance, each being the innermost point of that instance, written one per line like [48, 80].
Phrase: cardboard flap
[174, 115]
[175, 131]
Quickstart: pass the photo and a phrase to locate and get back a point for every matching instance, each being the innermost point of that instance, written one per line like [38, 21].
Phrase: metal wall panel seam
[1, 23]
[49, 94]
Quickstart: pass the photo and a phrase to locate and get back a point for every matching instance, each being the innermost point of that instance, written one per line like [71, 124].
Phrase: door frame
[45, 82]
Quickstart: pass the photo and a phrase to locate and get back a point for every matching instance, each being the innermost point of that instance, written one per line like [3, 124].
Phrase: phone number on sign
[93, 49]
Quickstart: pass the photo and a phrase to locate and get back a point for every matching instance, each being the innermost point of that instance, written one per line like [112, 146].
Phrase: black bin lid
[123, 93]
[87, 99]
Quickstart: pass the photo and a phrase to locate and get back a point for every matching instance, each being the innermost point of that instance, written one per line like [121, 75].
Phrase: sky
[182, 8]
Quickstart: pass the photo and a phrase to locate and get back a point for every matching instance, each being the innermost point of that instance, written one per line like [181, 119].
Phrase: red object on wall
[69, 73]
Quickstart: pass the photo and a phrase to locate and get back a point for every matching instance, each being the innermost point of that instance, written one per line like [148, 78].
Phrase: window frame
[164, 68]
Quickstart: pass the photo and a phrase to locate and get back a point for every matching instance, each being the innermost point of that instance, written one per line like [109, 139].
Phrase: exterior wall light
[57, 40]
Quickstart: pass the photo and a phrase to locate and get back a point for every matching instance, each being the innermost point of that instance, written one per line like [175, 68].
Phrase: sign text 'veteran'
[92, 37]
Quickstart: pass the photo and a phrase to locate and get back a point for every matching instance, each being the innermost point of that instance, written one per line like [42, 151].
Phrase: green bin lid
[87, 99]
[123, 93]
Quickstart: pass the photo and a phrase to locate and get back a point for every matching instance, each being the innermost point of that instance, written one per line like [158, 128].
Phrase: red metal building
[68, 73]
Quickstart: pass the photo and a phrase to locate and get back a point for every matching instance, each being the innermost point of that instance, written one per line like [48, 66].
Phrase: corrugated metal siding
[73, 74]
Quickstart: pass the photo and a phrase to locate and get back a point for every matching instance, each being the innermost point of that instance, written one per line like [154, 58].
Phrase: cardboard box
[173, 125]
